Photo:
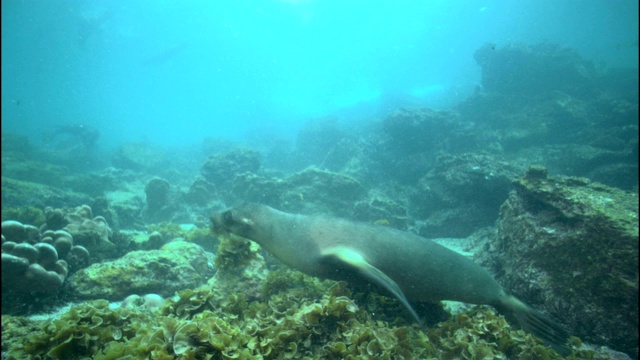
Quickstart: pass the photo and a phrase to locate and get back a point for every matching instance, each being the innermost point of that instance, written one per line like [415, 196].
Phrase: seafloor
[109, 255]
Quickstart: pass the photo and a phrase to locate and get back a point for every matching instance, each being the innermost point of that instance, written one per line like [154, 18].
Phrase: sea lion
[410, 267]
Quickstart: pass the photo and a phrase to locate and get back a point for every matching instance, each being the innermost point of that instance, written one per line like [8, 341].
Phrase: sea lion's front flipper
[353, 259]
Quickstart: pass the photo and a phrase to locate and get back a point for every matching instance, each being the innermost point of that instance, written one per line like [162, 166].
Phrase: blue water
[174, 72]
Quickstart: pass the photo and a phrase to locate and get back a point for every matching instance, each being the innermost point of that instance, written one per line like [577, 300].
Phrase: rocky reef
[298, 318]
[128, 248]
[570, 247]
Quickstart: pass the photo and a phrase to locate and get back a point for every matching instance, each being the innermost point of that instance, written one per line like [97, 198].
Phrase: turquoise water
[175, 72]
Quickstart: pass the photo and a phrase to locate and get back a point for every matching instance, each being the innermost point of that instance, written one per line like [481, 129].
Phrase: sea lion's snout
[220, 222]
[215, 224]
[227, 222]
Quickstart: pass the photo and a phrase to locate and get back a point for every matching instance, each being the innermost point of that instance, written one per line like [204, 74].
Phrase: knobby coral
[34, 262]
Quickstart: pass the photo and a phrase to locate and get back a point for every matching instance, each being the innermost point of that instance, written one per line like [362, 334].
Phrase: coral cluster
[34, 262]
[87, 230]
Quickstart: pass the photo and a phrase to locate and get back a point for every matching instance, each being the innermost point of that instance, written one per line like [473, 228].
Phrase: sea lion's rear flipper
[535, 322]
[350, 258]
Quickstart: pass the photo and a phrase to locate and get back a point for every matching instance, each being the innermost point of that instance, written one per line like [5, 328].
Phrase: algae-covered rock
[309, 191]
[240, 267]
[139, 156]
[251, 187]
[201, 192]
[414, 137]
[318, 189]
[220, 169]
[421, 130]
[318, 139]
[25, 215]
[570, 248]
[17, 193]
[613, 168]
[300, 317]
[461, 193]
[158, 195]
[381, 209]
[555, 68]
[177, 265]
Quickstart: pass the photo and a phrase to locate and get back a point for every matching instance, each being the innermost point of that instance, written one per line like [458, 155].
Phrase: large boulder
[177, 265]
[139, 156]
[570, 248]
[309, 191]
[221, 169]
[461, 193]
[531, 70]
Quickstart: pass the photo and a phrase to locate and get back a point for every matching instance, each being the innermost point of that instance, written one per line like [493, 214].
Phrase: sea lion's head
[238, 220]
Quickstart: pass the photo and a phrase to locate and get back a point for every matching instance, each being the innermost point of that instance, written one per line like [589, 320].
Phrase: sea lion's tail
[535, 322]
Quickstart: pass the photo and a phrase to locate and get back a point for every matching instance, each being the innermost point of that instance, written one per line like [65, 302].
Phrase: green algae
[168, 230]
[289, 324]
[27, 215]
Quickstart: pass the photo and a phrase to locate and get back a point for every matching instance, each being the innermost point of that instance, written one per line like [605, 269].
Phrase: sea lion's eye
[227, 216]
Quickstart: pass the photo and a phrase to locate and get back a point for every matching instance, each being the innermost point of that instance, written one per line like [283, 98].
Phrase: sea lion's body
[412, 268]
[408, 259]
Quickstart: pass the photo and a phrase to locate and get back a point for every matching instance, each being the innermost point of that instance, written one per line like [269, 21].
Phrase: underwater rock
[309, 191]
[461, 193]
[318, 190]
[101, 206]
[25, 215]
[240, 267]
[259, 188]
[15, 146]
[413, 138]
[157, 191]
[322, 143]
[139, 156]
[516, 123]
[162, 201]
[413, 131]
[221, 169]
[570, 247]
[566, 101]
[613, 168]
[550, 67]
[18, 193]
[381, 209]
[124, 207]
[201, 192]
[177, 265]
[36, 171]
